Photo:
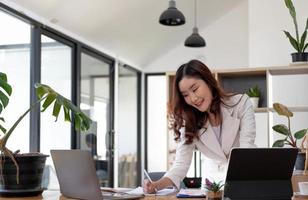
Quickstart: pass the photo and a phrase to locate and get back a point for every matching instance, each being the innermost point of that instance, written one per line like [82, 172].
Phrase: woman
[206, 118]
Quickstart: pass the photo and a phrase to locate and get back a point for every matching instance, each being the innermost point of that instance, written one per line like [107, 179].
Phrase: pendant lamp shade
[195, 40]
[172, 16]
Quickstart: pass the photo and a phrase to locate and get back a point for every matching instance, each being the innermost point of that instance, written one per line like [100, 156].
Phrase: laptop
[260, 173]
[77, 177]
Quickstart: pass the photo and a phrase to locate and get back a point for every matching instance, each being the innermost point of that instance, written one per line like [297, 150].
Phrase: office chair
[156, 175]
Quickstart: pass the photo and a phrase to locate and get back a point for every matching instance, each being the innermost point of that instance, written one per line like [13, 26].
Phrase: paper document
[189, 193]
[139, 190]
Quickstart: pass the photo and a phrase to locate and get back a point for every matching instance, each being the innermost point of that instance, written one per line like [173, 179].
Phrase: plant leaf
[41, 90]
[302, 43]
[4, 100]
[6, 87]
[66, 113]
[282, 129]
[50, 98]
[305, 47]
[2, 129]
[279, 143]
[56, 109]
[3, 76]
[291, 8]
[282, 110]
[77, 121]
[292, 40]
[300, 134]
[68, 107]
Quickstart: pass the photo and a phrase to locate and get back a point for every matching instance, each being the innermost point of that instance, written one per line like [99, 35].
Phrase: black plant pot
[31, 167]
[300, 161]
[299, 57]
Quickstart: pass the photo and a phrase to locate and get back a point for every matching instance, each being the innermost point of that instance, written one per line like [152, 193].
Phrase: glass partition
[56, 72]
[15, 62]
[127, 127]
[95, 101]
[156, 123]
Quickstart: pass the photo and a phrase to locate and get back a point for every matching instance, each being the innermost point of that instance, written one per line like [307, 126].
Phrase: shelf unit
[286, 84]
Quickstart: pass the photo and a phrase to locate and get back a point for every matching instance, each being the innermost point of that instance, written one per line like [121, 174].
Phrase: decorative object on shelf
[289, 138]
[254, 96]
[214, 191]
[195, 40]
[299, 44]
[172, 16]
[21, 174]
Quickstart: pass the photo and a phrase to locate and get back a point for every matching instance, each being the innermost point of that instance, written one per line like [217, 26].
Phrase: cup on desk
[303, 188]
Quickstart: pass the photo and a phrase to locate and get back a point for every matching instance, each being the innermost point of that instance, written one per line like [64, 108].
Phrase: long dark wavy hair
[187, 116]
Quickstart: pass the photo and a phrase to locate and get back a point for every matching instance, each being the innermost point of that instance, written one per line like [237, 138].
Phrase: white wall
[268, 45]
[249, 35]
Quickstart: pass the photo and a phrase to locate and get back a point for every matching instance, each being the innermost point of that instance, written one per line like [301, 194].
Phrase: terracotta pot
[214, 195]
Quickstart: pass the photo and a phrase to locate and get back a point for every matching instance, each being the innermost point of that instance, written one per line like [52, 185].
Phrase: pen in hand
[149, 178]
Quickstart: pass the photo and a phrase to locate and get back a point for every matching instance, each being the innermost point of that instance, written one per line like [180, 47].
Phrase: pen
[148, 177]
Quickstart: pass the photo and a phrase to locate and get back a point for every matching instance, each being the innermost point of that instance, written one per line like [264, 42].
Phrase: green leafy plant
[213, 186]
[289, 138]
[253, 92]
[47, 96]
[299, 44]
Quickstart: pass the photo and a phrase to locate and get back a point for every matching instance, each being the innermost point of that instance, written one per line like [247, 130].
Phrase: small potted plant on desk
[298, 43]
[21, 173]
[254, 96]
[289, 138]
[214, 191]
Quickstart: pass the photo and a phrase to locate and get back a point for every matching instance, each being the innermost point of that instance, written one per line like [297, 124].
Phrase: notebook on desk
[77, 176]
[260, 173]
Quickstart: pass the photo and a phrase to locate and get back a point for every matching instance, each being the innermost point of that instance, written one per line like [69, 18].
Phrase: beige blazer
[238, 130]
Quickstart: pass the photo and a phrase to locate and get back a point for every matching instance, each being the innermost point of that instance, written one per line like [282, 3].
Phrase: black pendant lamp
[195, 40]
[172, 16]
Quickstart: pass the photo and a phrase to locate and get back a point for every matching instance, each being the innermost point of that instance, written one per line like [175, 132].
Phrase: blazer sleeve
[182, 162]
[247, 131]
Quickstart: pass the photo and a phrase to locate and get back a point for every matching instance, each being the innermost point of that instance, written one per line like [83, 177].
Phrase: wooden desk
[55, 195]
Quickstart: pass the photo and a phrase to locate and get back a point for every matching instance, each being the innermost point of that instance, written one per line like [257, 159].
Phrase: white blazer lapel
[230, 128]
[209, 139]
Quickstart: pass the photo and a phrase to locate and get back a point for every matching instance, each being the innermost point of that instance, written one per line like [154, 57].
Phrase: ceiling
[128, 29]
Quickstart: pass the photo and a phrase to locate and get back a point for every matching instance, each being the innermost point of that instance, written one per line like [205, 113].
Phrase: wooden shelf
[293, 109]
[291, 70]
[261, 110]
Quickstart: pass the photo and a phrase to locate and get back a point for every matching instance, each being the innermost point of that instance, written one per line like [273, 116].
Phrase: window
[15, 62]
[127, 134]
[96, 103]
[156, 123]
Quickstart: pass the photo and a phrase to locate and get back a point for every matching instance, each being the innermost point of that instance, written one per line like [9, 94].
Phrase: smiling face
[196, 93]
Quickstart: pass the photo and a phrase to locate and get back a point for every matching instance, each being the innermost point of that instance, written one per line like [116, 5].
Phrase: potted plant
[298, 43]
[214, 191]
[289, 138]
[254, 96]
[21, 174]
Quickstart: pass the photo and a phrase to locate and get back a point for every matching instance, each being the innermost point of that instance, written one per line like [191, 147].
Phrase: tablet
[261, 164]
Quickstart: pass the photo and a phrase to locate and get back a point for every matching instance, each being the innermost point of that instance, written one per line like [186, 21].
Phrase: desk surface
[55, 195]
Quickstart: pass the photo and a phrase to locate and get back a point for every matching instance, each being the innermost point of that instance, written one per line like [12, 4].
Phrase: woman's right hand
[149, 187]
